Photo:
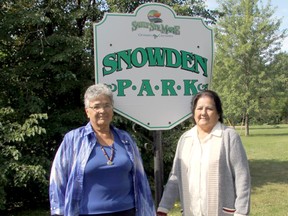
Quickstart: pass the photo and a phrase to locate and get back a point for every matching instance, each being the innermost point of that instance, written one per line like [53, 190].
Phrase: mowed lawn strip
[267, 150]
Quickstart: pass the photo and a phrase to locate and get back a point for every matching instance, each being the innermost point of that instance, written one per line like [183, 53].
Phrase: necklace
[110, 159]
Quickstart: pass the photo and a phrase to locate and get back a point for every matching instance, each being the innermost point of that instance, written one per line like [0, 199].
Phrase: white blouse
[199, 165]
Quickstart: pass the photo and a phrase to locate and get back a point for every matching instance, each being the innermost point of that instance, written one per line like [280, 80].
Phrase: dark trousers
[130, 212]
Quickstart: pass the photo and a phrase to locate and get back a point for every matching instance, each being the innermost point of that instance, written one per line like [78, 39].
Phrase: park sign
[155, 62]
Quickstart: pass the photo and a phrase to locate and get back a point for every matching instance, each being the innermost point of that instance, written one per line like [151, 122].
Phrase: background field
[267, 150]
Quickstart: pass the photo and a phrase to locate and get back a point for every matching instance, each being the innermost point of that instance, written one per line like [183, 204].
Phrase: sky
[281, 11]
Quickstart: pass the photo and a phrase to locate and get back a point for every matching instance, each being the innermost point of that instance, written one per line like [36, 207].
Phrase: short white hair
[96, 90]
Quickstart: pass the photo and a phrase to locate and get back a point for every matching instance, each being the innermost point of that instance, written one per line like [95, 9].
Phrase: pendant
[109, 163]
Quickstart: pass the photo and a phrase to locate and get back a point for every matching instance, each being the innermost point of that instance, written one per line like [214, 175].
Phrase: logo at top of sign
[154, 16]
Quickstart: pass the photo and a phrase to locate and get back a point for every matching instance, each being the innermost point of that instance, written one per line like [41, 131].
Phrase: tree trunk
[247, 124]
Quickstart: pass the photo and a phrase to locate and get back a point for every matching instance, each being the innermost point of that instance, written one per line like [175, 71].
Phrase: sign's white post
[155, 62]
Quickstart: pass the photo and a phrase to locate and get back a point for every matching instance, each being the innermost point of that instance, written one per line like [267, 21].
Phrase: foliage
[194, 8]
[247, 38]
[16, 169]
[44, 65]
[275, 102]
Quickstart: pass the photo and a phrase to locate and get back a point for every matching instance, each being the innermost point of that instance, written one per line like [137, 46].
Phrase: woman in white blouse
[210, 173]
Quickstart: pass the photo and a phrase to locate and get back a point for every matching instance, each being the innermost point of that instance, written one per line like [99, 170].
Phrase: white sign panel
[154, 62]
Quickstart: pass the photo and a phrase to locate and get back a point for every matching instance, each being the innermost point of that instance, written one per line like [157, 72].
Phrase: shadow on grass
[266, 135]
[268, 171]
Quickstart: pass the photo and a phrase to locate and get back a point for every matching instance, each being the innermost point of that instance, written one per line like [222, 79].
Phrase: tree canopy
[247, 38]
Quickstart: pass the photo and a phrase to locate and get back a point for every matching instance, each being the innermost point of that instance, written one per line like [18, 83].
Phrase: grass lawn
[267, 150]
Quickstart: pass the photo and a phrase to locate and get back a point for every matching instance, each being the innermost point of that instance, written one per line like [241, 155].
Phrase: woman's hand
[161, 214]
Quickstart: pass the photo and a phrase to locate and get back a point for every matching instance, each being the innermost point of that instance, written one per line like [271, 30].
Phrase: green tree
[247, 38]
[275, 102]
[46, 61]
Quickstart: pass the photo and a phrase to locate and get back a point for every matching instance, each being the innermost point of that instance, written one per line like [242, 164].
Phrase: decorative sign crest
[154, 62]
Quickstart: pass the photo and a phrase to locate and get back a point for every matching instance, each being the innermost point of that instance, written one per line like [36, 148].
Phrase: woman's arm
[240, 168]
[58, 180]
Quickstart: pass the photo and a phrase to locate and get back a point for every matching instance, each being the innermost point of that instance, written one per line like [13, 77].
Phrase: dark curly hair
[212, 95]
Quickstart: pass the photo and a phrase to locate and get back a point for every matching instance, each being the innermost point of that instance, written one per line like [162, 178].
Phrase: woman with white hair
[98, 170]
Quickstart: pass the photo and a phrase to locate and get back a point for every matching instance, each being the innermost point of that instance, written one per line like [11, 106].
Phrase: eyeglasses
[97, 107]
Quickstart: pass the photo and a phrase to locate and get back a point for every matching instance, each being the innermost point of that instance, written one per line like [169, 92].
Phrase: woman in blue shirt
[97, 169]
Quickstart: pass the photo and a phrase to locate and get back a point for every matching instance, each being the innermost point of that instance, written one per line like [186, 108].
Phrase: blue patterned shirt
[67, 172]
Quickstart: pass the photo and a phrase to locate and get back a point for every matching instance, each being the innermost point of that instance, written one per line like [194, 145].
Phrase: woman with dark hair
[210, 173]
